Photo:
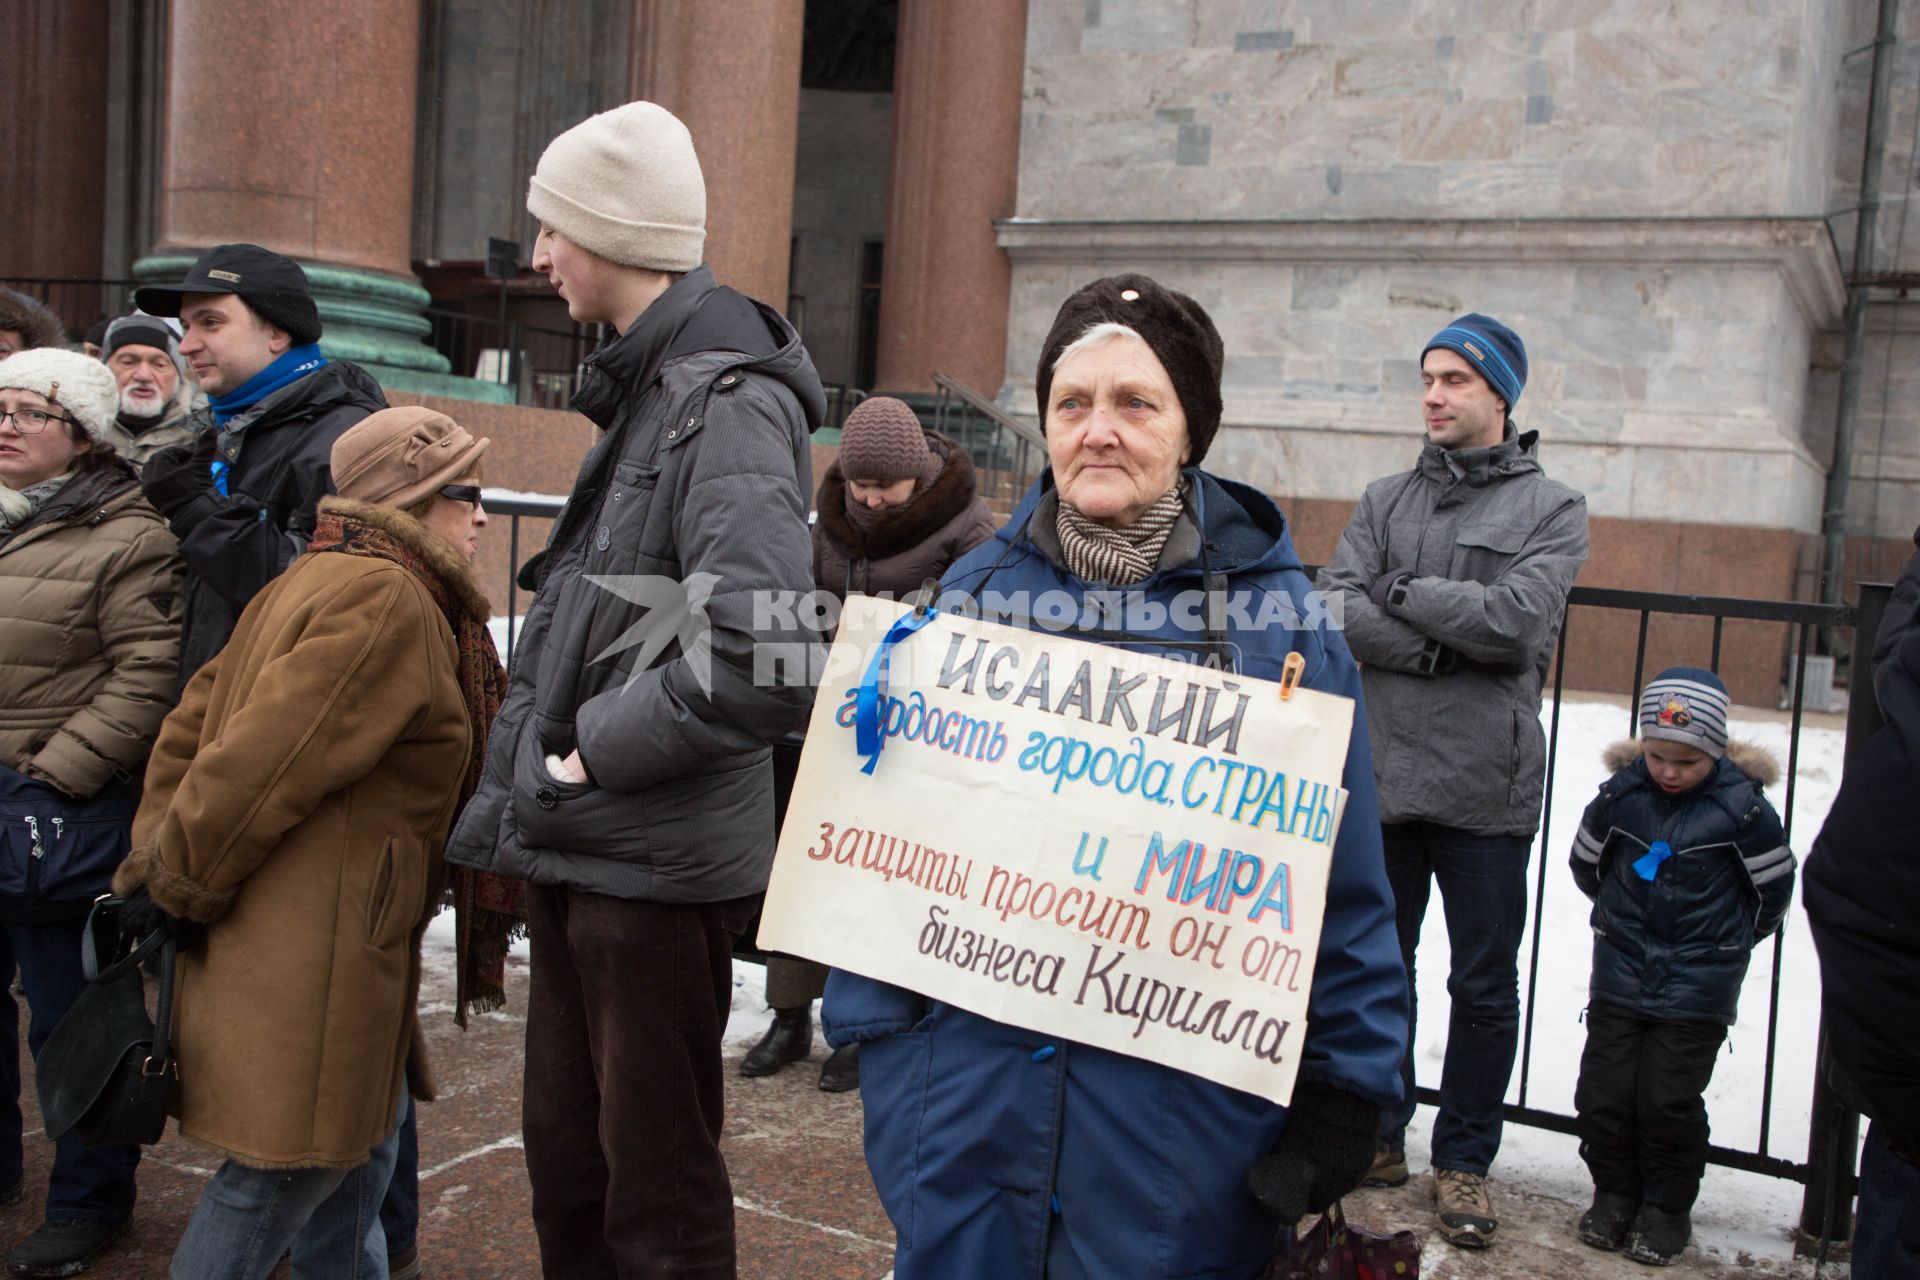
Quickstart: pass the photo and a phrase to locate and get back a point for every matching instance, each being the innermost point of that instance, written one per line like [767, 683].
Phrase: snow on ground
[1738, 1212]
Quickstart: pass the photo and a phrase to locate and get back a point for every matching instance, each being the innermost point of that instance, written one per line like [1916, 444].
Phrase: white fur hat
[625, 185]
[80, 385]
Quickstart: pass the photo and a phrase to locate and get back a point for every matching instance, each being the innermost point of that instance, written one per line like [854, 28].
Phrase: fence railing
[1007, 453]
[1828, 1171]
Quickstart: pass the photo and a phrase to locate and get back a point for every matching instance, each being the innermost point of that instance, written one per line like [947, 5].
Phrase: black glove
[178, 474]
[1438, 659]
[1326, 1148]
[140, 915]
[1382, 591]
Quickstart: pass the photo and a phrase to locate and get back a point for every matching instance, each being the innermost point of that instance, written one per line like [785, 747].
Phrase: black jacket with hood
[1863, 893]
[642, 648]
[1675, 947]
[281, 451]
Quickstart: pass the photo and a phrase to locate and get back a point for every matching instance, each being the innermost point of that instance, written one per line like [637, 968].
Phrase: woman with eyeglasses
[291, 838]
[89, 638]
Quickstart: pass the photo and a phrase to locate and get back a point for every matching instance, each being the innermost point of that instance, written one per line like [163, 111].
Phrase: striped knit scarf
[1120, 557]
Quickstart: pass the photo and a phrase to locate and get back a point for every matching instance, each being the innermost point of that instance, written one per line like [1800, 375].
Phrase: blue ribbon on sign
[870, 700]
[1647, 865]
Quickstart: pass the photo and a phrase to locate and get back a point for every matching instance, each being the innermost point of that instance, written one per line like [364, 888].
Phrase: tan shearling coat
[298, 802]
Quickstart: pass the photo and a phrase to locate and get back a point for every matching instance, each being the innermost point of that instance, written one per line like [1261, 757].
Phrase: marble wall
[1429, 108]
[1638, 187]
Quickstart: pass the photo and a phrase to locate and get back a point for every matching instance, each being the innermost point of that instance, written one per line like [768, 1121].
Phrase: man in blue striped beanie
[1454, 577]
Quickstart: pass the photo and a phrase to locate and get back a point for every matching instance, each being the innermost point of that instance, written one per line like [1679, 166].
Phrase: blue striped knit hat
[1687, 705]
[1490, 347]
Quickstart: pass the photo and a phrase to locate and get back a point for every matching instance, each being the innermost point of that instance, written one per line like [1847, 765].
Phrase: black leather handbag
[107, 1072]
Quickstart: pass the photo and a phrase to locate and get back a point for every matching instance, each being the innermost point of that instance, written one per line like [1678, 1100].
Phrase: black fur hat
[1175, 326]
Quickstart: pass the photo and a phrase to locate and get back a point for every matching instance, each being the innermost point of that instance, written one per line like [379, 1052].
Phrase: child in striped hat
[1688, 868]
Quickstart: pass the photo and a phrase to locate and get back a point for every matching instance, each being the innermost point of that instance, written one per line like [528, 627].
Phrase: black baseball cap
[272, 286]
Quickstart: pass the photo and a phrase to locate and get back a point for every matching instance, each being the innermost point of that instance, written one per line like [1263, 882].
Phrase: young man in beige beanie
[629, 780]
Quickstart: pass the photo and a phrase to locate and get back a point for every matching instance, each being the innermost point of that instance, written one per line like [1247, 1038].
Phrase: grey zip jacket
[641, 648]
[1453, 666]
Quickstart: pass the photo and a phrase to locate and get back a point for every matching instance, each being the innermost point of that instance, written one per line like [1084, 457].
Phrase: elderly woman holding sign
[1001, 1151]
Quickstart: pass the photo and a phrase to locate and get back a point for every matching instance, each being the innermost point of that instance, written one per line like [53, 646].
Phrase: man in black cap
[241, 496]
[156, 399]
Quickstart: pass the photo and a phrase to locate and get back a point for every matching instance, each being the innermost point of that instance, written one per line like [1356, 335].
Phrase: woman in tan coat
[297, 806]
[89, 635]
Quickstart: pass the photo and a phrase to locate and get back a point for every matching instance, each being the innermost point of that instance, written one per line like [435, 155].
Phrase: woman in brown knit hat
[898, 506]
[291, 839]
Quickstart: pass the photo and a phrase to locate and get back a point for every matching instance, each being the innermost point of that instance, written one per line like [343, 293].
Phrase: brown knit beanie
[884, 441]
[396, 457]
[1177, 328]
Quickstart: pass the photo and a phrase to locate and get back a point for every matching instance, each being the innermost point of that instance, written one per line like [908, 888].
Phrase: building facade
[1660, 198]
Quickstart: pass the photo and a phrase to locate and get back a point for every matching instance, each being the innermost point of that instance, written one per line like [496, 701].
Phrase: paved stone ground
[805, 1207]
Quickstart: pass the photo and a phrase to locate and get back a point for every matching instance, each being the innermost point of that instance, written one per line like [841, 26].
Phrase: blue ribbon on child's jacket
[870, 700]
[1647, 865]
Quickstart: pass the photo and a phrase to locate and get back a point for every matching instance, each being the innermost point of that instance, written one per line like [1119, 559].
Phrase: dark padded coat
[282, 467]
[1003, 1152]
[643, 646]
[1863, 895]
[1676, 947]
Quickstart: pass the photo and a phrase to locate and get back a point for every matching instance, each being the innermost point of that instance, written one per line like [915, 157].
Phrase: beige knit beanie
[625, 185]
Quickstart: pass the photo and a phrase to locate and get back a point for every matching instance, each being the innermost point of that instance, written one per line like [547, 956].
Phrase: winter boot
[1389, 1167]
[63, 1247]
[1605, 1225]
[842, 1072]
[1657, 1237]
[1466, 1210]
[789, 1038]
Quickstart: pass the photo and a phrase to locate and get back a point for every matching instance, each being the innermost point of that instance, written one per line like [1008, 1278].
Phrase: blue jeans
[400, 1211]
[330, 1218]
[91, 1184]
[1483, 890]
[1886, 1235]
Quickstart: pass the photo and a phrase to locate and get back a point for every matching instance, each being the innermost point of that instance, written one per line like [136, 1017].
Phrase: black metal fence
[1828, 1169]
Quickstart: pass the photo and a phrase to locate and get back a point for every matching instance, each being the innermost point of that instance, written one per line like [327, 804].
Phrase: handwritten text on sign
[1082, 840]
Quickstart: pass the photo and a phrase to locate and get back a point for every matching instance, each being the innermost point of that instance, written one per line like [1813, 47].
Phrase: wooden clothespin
[1290, 674]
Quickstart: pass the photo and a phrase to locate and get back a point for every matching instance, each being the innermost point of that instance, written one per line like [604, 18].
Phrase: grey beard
[134, 411]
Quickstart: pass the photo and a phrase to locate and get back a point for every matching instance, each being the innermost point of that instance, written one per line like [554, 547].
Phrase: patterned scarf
[17, 506]
[489, 911]
[1119, 557]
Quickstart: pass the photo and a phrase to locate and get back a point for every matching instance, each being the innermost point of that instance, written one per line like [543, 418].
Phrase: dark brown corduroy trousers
[624, 1090]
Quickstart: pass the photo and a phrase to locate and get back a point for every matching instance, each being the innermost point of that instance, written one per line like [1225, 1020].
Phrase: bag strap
[160, 1062]
[159, 940]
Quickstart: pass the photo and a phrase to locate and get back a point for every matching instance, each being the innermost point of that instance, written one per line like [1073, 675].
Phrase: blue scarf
[294, 364]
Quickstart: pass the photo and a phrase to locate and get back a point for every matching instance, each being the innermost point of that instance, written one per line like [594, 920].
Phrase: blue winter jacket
[1007, 1153]
[1675, 947]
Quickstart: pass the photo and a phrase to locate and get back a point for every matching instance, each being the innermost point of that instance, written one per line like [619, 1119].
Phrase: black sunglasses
[461, 492]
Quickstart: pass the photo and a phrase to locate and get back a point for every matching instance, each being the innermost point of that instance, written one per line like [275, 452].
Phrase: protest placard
[1079, 839]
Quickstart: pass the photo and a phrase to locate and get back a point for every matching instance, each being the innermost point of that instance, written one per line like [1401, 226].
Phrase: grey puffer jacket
[1453, 664]
[639, 649]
